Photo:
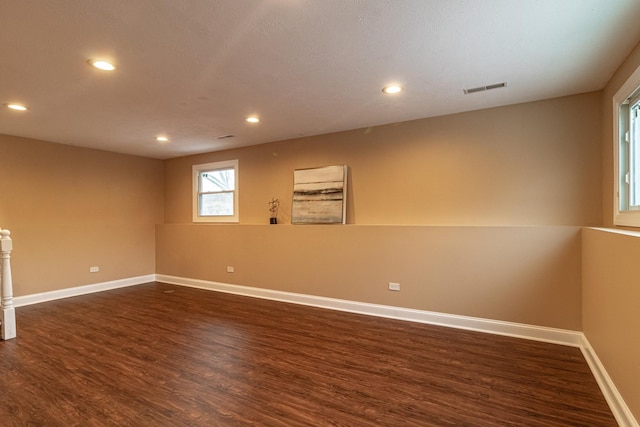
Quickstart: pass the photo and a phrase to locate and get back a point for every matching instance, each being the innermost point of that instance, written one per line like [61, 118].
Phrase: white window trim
[196, 169]
[628, 218]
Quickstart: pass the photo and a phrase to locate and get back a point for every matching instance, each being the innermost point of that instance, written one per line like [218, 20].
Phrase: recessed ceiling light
[391, 89]
[252, 119]
[102, 65]
[162, 139]
[17, 107]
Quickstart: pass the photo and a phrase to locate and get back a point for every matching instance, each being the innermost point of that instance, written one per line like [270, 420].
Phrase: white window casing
[626, 153]
[215, 192]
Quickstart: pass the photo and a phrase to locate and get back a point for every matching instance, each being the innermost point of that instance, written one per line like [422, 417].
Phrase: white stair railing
[8, 325]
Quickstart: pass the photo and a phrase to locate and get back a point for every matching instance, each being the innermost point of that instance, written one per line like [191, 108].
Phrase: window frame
[623, 217]
[197, 170]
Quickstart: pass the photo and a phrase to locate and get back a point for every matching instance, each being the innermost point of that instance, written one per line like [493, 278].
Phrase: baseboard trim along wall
[81, 290]
[538, 333]
[618, 406]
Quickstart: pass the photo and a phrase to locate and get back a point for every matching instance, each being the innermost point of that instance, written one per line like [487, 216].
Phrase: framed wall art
[319, 195]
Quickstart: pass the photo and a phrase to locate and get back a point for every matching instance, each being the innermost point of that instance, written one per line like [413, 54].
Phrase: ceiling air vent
[225, 136]
[483, 88]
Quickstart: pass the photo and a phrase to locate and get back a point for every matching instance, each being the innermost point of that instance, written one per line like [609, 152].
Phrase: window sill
[627, 219]
[616, 231]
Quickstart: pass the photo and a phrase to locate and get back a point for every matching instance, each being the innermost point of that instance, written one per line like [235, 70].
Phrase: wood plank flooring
[163, 355]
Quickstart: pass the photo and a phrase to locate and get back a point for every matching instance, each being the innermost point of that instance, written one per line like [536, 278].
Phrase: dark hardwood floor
[163, 355]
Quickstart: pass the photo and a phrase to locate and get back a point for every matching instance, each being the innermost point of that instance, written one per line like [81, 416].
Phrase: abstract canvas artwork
[319, 195]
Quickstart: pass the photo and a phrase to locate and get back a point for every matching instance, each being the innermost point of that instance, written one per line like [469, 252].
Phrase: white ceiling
[193, 69]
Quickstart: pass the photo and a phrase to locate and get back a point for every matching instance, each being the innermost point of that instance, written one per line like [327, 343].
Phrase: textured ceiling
[193, 69]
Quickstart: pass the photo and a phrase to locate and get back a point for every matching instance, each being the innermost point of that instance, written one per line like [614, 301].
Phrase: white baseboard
[618, 406]
[81, 290]
[538, 333]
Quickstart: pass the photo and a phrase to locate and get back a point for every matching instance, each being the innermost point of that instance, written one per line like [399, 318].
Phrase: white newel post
[6, 304]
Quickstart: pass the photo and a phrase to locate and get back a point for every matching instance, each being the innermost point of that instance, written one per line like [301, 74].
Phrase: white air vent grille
[484, 88]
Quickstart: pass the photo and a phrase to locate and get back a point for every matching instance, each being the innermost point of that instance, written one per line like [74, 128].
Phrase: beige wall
[474, 214]
[520, 274]
[70, 208]
[529, 164]
[611, 295]
[611, 269]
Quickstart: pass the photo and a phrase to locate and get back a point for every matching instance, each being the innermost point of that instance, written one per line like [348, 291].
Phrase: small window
[626, 119]
[215, 192]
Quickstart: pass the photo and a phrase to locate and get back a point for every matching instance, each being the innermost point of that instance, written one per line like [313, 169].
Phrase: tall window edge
[625, 218]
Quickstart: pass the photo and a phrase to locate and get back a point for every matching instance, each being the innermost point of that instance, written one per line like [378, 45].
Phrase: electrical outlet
[230, 269]
[94, 269]
[394, 286]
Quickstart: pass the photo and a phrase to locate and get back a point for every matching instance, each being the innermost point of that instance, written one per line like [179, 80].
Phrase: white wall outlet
[94, 269]
[394, 286]
[230, 269]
